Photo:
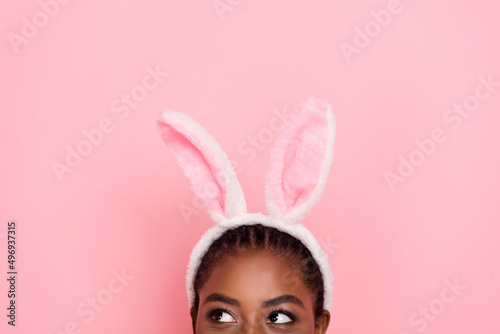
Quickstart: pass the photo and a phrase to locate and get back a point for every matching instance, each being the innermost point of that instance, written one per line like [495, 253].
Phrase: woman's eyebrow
[283, 299]
[217, 297]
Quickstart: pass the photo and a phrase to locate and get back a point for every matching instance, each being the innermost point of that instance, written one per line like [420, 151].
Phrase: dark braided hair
[260, 237]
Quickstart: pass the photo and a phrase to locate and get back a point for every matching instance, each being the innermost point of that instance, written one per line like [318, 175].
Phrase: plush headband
[300, 161]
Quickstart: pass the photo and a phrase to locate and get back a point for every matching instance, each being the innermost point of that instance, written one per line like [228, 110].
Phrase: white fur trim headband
[300, 161]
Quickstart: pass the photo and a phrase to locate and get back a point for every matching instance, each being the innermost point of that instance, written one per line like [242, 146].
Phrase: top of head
[299, 165]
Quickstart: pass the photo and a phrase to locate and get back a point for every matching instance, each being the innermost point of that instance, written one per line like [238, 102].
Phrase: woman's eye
[222, 316]
[279, 318]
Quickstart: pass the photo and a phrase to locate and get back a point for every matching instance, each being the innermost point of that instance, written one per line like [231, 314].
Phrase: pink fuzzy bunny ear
[204, 163]
[300, 161]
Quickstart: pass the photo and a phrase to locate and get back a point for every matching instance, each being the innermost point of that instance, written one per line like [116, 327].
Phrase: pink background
[391, 249]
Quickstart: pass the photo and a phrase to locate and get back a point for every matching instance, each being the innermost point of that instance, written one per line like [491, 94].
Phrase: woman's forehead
[255, 276]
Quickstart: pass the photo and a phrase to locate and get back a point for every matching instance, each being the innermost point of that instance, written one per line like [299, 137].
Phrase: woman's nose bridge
[253, 324]
[253, 329]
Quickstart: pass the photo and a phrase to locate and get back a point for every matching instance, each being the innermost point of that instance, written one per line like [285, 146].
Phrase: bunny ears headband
[300, 161]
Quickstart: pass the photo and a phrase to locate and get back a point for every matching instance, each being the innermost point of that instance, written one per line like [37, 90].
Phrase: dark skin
[257, 292]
